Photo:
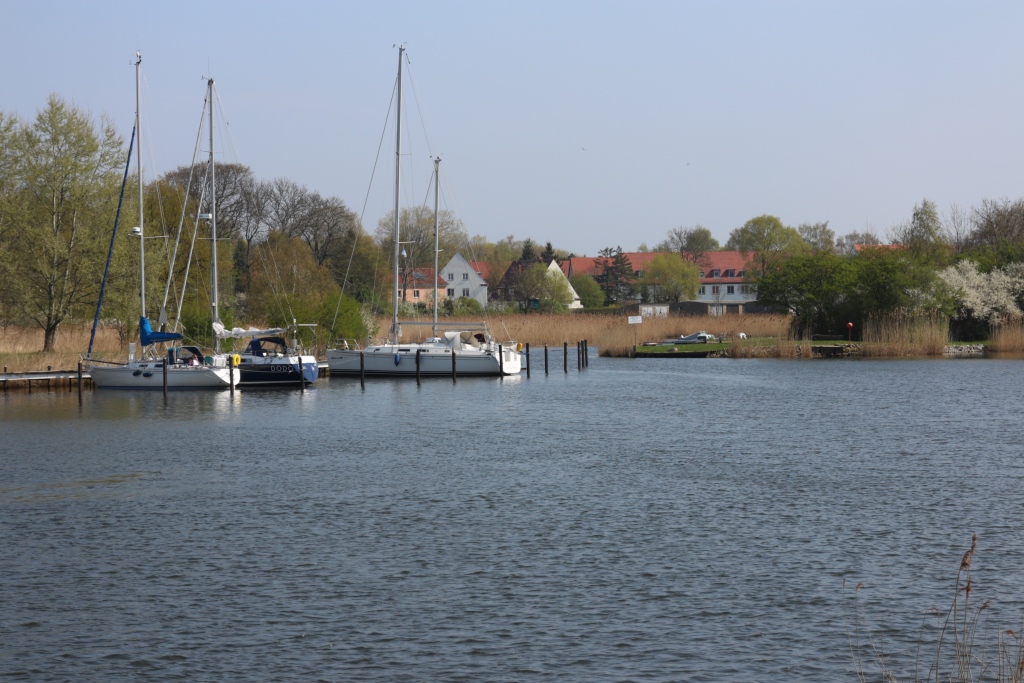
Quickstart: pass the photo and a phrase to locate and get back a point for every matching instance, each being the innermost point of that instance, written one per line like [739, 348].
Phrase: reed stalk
[904, 334]
[1008, 337]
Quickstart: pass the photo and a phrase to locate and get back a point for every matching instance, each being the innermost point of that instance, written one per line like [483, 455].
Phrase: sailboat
[267, 360]
[186, 367]
[468, 351]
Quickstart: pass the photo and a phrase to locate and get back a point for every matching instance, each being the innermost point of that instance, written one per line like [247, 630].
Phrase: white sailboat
[186, 367]
[468, 351]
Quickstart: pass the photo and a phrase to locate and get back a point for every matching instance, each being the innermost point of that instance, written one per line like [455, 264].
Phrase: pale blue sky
[587, 124]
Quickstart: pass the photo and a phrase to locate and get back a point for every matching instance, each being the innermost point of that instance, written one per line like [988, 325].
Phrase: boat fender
[398, 358]
[236, 359]
[519, 347]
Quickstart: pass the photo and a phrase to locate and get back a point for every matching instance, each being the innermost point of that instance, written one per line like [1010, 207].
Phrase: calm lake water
[643, 520]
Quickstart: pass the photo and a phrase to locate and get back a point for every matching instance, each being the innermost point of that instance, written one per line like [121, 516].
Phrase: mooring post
[79, 382]
[302, 375]
[418, 366]
[167, 358]
[579, 356]
[586, 353]
[565, 357]
[362, 370]
[501, 362]
[49, 368]
[453, 366]
[545, 360]
[527, 360]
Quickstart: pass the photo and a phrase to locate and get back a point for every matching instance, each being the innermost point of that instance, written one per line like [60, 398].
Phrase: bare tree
[819, 236]
[998, 222]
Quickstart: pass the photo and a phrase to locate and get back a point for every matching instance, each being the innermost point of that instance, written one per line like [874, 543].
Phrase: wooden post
[49, 368]
[79, 382]
[167, 357]
[302, 374]
[579, 356]
[527, 360]
[418, 365]
[362, 370]
[565, 357]
[453, 366]
[231, 372]
[545, 360]
[501, 362]
[586, 354]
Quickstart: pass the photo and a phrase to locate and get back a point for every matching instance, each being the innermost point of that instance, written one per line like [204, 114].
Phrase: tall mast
[138, 160]
[398, 184]
[213, 227]
[437, 192]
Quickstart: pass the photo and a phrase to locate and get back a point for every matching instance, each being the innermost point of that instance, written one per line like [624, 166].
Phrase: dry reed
[611, 335]
[958, 654]
[21, 348]
[1008, 337]
[901, 334]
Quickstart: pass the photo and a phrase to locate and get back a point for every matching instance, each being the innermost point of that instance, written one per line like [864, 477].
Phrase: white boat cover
[237, 332]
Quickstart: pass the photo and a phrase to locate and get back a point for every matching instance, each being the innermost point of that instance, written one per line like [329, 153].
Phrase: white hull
[435, 361]
[150, 375]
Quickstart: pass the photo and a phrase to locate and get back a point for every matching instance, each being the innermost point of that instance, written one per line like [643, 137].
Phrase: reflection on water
[641, 520]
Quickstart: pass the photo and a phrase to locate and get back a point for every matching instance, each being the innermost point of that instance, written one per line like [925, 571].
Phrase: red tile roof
[639, 260]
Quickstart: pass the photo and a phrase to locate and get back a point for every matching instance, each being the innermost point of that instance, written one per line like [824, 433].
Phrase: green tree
[693, 244]
[669, 278]
[813, 287]
[615, 276]
[766, 242]
[548, 255]
[590, 293]
[529, 251]
[847, 245]
[59, 203]
[818, 236]
[923, 236]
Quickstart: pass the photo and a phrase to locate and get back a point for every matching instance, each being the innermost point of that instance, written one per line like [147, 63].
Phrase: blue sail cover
[147, 336]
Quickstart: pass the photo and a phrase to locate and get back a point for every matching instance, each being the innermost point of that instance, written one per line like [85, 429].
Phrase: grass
[957, 649]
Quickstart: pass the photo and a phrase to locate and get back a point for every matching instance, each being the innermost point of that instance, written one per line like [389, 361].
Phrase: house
[724, 288]
[555, 270]
[464, 279]
[419, 287]
[506, 290]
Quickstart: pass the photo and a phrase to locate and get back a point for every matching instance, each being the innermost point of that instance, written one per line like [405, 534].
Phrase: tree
[529, 252]
[670, 278]
[765, 241]
[693, 244]
[847, 245]
[923, 235]
[590, 293]
[417, 237]
[58, 206]
[818, 236]
[616, 276]
[812, 287]
[984, 300]
[548, 255]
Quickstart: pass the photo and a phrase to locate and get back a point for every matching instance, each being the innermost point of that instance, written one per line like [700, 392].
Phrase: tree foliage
[765, 242]
[589, 291]
[669, 278]
[693, 244]
[615, 276]
[60, 180]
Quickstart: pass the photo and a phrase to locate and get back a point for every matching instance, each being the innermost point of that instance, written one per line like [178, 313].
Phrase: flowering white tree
[992, 297]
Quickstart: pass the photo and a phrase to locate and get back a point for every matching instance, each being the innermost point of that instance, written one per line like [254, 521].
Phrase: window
[451, 276]
[716, 273]
[465, 276]
[451, 291]
[715, 289]
[748, 289]
[701, 290]
[415, 294]
[465, 291]
[731, 272]
[741, 273]
[702, 273]
[730, 289]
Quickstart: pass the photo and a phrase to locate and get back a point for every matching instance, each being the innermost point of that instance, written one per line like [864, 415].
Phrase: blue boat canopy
[147, 336]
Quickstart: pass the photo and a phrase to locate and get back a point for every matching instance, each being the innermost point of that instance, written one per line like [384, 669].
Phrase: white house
[556, 270]
[463, 280]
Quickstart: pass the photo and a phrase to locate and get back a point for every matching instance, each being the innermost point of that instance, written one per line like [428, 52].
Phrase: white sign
[635, 319]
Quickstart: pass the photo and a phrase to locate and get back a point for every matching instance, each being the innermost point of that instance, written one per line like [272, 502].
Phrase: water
[653, 520]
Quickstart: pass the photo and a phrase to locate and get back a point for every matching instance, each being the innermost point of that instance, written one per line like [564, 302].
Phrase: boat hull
[280, 371]
[151, 376]
[400, 361]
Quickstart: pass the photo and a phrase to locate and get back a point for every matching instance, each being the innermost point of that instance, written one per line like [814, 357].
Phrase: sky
[586, 124]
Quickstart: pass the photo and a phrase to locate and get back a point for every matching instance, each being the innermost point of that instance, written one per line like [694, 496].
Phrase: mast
[138, 160]
[213, 228]
[437, 192]
[398, 184]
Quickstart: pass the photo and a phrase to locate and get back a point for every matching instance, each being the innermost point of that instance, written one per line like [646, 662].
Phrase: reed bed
[21, 347]
[1008, 337]
[612, 335]
[899, 334]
